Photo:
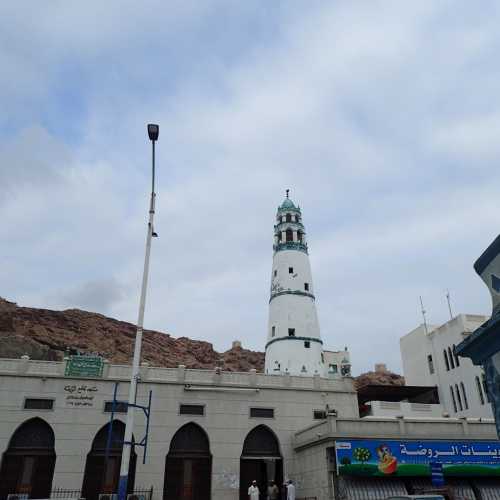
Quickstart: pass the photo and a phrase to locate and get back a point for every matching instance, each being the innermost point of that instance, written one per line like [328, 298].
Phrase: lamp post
[153, 131]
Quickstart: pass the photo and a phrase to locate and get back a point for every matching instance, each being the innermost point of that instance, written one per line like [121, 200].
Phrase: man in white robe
[253, 491]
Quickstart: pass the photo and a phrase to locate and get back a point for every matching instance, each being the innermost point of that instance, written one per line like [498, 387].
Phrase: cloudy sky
[383, 119]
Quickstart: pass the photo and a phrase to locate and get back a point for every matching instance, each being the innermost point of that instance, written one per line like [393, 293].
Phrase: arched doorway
[188, 467]
[260, 460]
[101, 474]
[28, 464]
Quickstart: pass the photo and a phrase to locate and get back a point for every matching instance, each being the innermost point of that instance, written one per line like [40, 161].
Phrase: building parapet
[394, 428]
[182, 375]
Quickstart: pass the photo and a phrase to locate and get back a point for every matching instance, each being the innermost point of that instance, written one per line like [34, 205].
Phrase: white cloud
[380, 117]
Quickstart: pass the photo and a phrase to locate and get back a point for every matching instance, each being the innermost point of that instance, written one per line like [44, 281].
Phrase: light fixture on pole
[153, 131]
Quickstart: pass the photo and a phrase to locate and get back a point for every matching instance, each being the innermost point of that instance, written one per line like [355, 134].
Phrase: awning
[351, 488]
[461, 488]
[489, 489]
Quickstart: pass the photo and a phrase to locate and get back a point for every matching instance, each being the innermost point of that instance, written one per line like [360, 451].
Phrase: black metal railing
[65, 493]
[142, 493]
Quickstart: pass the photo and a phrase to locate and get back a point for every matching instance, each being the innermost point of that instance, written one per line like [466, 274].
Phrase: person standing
[253, 491]
[272, 491]
[290, 491]
[284, 493]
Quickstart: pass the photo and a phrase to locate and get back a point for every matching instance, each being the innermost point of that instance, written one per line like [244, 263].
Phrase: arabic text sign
[410, 458]
[80, 395]
[84, 366]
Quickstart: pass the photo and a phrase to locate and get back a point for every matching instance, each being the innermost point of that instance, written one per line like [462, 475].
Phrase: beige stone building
[210, 433]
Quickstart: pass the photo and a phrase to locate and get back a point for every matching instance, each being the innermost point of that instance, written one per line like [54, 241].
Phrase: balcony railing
[290, 245]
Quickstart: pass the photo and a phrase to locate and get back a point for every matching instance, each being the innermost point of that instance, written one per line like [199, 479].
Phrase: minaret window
[290, 270]
[273, 331]
[306, 287]
[289, 217]
[299, 236]
[275, 273]
[291, 332]
[289, 235]
[307, 344]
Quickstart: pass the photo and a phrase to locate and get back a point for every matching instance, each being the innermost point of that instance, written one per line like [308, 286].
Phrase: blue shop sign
[414, 458]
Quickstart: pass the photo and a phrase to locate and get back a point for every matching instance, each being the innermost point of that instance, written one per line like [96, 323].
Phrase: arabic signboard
[80, 395]
[84, 366]
[414, 458]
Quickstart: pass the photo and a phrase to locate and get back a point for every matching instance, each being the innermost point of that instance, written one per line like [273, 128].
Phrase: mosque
[206, 434]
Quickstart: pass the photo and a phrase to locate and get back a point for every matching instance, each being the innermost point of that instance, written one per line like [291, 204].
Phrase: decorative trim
[312, 339]
[290, 245]
[289, 209]
[292, 292]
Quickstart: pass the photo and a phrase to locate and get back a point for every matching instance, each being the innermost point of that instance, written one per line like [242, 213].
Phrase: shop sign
[371, 457]
[84, 366]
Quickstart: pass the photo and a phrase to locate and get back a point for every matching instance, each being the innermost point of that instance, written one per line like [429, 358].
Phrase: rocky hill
[48, 335]
[379, 378]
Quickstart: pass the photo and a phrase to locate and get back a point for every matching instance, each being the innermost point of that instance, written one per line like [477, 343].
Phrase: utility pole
[153, 131]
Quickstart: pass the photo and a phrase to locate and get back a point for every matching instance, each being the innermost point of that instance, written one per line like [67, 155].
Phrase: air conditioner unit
[134, 496]
[17, 496]
[108, 496]
[331, 412]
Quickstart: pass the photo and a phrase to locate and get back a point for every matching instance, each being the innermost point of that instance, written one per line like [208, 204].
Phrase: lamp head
[153, 131]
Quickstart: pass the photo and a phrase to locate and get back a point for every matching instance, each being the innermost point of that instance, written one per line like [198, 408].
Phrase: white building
[429, 360]
[294, 343]
[337, 363]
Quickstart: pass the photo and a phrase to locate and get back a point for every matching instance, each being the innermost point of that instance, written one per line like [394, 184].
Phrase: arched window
[101, 473]
[457, 362]
[453, 399]
[28, 464]
[459, 399]
[188, 467]
[450, 357]
[299, 236]
[446, 360]
[479, 390]
[289, 217]
[289, 235]
[464, 395]
[260, 460]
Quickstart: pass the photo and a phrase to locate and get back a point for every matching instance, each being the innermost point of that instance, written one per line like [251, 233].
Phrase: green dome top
[288, 203]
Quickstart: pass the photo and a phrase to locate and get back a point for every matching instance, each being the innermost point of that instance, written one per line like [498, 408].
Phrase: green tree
[361, 454]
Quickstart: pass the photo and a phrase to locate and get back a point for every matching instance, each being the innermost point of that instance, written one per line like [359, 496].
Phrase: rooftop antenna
[287, 191]
[423, 314]
[449, 303]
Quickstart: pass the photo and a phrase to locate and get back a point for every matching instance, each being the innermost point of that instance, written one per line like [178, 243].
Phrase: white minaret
[293, 344]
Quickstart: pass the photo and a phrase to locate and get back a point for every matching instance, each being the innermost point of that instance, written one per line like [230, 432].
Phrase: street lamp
[153, 131]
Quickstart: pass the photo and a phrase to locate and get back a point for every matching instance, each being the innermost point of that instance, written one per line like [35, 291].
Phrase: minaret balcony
[290, 245]
[283, 226]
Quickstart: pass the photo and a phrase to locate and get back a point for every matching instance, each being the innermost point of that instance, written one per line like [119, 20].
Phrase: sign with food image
[414, 458]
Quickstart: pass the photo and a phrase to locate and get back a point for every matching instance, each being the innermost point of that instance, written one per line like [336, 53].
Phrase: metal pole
[127, 444]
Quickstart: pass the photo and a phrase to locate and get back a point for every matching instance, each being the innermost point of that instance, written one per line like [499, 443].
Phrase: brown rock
[47, 335]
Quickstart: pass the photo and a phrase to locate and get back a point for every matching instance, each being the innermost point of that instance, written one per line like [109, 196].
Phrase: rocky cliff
[48, 335]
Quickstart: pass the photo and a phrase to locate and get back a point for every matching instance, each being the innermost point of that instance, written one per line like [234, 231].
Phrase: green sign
[84, 366]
